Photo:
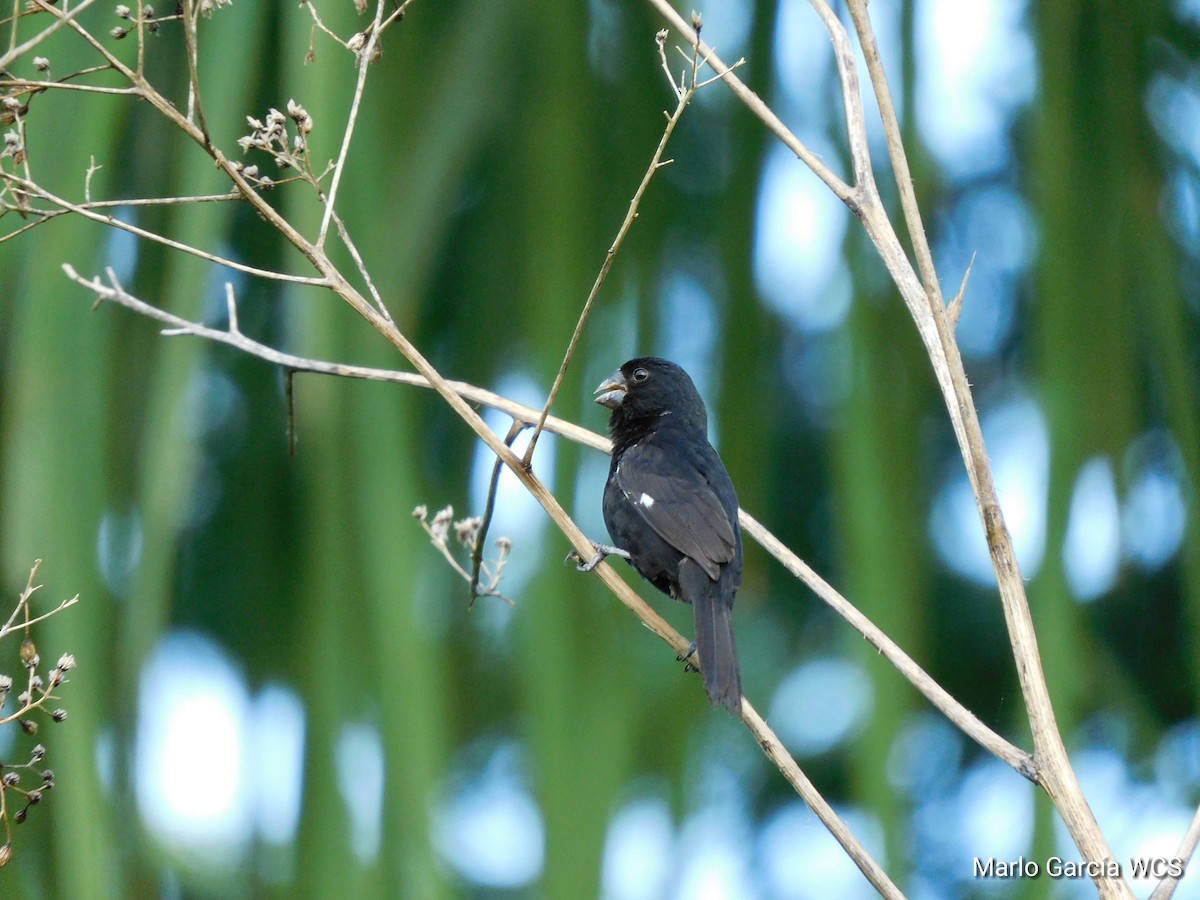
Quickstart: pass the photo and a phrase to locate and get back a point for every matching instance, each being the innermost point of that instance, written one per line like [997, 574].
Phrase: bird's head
[649, 388]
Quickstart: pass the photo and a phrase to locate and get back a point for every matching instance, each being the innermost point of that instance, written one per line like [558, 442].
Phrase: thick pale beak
[611, 392]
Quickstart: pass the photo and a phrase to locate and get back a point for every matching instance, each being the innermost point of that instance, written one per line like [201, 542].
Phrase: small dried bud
[35, 683]
[298, 146]
[59, 715]
[441, 523]
[11, 779]
[299, 115]
[119, 33]
[124, 12]
[5, 684]
[5, 854]
[207, 6]
[19, 818]
[466, 530]
[504, 543]
[41, 64]
[420, 512]
[66, 662]
[29, 726]
[254, 123]
[147, 11]
[697, 23]
[37, 753]
[23, 698]
[34, 797]
[48, 779]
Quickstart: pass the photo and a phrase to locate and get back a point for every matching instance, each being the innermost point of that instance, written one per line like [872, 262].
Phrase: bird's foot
[602, 550]
[686, 659]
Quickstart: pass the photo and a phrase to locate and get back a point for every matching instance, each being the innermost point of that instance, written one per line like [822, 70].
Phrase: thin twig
[955, 308]
[85, 211]
[755, 103]
[365, 58]
[67, 86]
[23, 605]
[1187, 848]
[191, 15]
[684, 94]
[485, 521]
[62, 19]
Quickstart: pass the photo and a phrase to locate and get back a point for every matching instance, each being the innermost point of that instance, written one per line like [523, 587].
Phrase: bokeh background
[281, 690]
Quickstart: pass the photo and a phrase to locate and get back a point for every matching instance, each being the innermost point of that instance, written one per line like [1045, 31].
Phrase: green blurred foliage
[495, 152]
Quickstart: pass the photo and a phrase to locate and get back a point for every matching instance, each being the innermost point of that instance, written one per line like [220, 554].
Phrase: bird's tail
[714, 640]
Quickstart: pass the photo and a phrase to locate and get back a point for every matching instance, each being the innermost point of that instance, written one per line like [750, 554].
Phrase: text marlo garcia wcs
[1056, 867]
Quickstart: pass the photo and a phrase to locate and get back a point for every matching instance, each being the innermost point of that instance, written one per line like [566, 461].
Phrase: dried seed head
[466, 530]
[420, 512]
[5, 854]
[208, 6]
[59, 715]
[441, 523]
[124, 12]
[41, 64]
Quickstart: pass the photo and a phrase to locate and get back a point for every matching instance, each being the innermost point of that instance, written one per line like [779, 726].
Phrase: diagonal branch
[684, 93]
[87, 210]
[1187, 848]
[755, 103]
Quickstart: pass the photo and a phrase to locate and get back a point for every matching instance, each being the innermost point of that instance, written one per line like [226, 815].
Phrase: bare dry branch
[684, 93]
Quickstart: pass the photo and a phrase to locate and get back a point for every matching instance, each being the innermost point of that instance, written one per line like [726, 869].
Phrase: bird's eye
[640, 375]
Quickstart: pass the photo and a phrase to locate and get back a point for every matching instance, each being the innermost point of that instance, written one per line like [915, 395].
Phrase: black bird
[670, 505]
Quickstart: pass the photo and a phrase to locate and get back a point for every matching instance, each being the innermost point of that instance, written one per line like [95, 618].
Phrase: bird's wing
[672, 493]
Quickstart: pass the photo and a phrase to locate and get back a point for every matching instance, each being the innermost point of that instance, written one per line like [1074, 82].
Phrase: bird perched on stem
[671, 509]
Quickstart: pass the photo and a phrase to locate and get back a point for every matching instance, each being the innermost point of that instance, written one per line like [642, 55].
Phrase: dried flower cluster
[27, 781]
[148, 20]
[467, 532]
[272, 136]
